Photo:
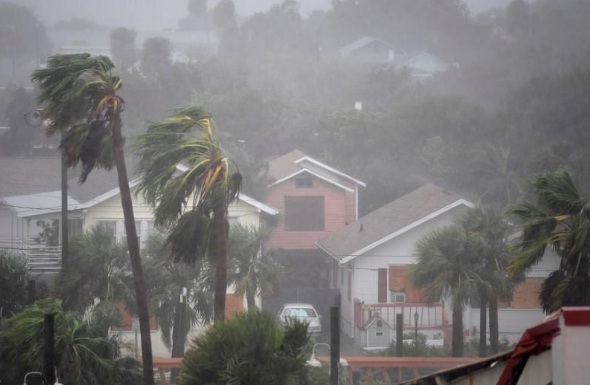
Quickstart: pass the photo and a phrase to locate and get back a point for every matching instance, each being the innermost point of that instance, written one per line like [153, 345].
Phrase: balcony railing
[41, 258]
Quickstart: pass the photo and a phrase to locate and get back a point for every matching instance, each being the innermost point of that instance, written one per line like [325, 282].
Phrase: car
[302, 312]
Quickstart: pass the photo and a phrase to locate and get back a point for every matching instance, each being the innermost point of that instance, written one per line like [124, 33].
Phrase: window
[397, 296]
[233, 221]
[111, 226]
[304, 213]
[378, 334]
[303, 182]
[74, 226]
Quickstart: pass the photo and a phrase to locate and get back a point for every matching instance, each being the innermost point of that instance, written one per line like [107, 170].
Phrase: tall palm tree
[560, 220]
[79, 95]
[488, 230]
[254, 270]
[445, 268]
[187, 178]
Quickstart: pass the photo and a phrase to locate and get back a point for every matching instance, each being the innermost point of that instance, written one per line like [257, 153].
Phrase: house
[27, 201]
[371, 257]
[370, 264]
[30, 200]
[315, 200]
[369, 50]
[551, 352]
[374, 51]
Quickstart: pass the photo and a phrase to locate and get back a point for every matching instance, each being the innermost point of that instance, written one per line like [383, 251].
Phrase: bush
[248, 349]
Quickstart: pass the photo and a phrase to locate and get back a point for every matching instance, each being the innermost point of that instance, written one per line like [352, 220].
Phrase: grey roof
[36, 204]
[389, 221]
[24, 176]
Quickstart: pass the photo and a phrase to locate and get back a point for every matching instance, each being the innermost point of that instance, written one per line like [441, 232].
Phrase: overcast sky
[158, 14]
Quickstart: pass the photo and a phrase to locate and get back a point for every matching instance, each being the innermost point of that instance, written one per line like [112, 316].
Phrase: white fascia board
[408, 228]
[314, 174]
[259, 205]
[103, 197]
[332, 170]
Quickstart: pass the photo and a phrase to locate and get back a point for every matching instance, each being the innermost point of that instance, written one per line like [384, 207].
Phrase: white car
[302, 312]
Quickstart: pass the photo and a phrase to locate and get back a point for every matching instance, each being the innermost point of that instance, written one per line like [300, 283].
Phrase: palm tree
[79, 95]
[560, 220]
[100, 272]
[86, 356]
[488, 230]
[445, 268]
[187, 178]
[254, 270]
[179, 294]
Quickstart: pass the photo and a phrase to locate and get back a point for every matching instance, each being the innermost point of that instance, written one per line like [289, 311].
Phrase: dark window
[304, 213]
[303, 183]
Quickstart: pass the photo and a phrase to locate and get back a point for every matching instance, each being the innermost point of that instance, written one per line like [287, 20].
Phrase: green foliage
[99, 272]
[14, 281]
[166, 281]
[85, 353]
[558, 220]
[251, 348]
[49, 234]
[254, 270]
[417, 348]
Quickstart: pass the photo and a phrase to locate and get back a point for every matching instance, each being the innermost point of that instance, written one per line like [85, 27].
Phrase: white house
[370, 263]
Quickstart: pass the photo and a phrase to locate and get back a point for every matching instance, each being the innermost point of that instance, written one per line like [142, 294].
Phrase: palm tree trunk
[250, 300]
[457, 344]
[494, 330]
[134, 256]
[179, 332]
[483, 327]
[221, 233]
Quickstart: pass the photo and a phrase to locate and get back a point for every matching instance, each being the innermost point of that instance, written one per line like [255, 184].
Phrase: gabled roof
[392, 220]
[35, 204]
[348, 49]
[296, 162]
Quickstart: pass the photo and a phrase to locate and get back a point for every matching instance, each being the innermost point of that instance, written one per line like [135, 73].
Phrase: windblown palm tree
[446, 268]
[187, 178]
[560, 220]
[79, 95]
[254, 270]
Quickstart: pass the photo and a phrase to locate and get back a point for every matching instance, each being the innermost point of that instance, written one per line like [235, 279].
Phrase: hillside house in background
[315, 200]
[375, 51]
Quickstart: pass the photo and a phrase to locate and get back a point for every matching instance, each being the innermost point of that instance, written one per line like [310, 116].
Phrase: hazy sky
[158, 14]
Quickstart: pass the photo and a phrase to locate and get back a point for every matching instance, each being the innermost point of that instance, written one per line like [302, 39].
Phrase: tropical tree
[187, 178]
[488, 230]
[99, 273]
[14, 281]
[79, 96]
[179, 293]
[251, 348]
[253, 269]
[559, 220]
[446, 268]
[87, 356]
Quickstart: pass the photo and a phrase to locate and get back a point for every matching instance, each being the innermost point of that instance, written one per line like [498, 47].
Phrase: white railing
[40, 258]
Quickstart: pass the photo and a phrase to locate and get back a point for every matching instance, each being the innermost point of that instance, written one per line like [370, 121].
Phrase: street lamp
[416, 316]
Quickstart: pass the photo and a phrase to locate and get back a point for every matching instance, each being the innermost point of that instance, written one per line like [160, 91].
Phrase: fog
[151, 14]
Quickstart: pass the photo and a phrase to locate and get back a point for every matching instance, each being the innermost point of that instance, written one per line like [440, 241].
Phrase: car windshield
[299, 312]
